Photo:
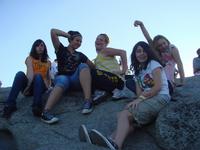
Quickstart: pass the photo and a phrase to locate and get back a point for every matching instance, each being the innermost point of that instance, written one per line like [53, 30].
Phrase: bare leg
[123, 128]
[85, 80]
[113, 135]
[54, 97]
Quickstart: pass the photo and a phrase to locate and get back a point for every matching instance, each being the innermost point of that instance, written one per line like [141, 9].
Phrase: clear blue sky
[24, 21]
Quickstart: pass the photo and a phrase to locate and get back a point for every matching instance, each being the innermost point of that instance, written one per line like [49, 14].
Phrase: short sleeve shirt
[145, 78]
[68, 62]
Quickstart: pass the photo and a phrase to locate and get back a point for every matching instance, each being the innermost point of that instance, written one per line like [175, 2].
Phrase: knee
[37, 77]
[83, 66]
[20, 75]
[62, 81]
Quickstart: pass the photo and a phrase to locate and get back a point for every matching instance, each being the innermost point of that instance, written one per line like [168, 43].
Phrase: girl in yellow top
[107, 75]
[35, 82]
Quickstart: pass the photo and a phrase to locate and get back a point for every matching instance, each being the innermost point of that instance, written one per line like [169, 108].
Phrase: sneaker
[87, 107]
[98, 139]
[99, 96]
[84, 135]
[37, 111]
[8, 110]
[48, 118]
[118, 94]
[124, 93]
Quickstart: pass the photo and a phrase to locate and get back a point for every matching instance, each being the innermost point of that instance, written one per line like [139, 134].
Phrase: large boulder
[177, 126]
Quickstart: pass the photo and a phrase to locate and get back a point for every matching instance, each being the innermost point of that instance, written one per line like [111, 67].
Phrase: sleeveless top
[41, 68]
[169, 62]
[109, 64]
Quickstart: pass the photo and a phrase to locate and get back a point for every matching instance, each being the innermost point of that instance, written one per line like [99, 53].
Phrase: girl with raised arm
[167, 53]
[152, 96]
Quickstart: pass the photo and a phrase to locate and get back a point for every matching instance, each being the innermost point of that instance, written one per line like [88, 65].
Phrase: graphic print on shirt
[146, 81]
[68, 61]
[40, 67]
[73, 61]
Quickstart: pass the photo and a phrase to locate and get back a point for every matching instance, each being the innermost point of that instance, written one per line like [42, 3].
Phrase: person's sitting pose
[108, 75]
[73, 72]
[152, 96]
[167, 53]
[35, 82]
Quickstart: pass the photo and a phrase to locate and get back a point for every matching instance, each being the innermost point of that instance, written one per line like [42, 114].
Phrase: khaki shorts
[148, 109]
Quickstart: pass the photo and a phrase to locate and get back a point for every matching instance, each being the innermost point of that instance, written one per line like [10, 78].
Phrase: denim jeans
[70, 81]
[19, 84]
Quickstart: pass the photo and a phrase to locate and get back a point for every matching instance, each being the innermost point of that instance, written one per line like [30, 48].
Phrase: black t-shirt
[67, 62]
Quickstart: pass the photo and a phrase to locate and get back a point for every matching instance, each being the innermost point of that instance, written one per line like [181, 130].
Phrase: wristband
[141, 97]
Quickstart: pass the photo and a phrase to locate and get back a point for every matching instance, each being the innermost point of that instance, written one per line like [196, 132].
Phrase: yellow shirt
[107, 63]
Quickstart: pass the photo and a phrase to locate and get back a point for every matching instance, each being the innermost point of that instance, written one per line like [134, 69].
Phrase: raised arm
[177, 58]
[117, 52]
[144, 31]
[147, 36]
[55, 33]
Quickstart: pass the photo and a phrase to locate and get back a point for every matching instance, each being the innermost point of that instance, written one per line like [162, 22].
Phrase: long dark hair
[135, 64]
[34, 54]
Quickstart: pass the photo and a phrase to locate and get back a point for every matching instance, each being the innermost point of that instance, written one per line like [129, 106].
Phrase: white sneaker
[118, 94]
[124, 93]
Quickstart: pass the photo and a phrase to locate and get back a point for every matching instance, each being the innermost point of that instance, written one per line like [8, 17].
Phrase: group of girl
[154, 68]
[153, 65]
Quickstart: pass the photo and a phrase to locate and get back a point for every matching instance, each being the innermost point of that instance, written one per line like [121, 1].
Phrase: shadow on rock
[7, 140]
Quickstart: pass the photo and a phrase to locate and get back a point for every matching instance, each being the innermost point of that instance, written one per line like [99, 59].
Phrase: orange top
[41, 68]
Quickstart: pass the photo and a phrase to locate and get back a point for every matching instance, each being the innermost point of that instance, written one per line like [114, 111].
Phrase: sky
[24, 21]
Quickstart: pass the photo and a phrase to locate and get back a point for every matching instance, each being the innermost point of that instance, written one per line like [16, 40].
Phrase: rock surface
[177, 126]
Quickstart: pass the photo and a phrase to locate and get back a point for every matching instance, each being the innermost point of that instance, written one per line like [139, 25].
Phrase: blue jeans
[70, 81]
[19, 84]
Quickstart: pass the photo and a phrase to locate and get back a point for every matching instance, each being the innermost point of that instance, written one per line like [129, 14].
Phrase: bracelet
[141, 97]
